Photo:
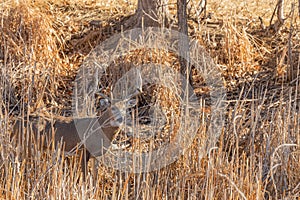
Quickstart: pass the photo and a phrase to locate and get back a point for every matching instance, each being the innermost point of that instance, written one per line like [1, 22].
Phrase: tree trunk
[183, 43]
[149, 13]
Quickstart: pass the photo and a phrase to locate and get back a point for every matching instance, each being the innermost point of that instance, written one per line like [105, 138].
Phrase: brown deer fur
[71, 134]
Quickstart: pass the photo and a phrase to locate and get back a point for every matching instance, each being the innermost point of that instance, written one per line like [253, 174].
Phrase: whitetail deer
[92, 135]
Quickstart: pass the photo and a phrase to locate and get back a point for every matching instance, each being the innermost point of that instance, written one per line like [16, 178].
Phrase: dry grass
[42, 45]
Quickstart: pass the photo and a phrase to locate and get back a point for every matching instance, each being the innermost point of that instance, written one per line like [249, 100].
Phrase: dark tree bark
[149, 13]
[184, 56]
[148, 10]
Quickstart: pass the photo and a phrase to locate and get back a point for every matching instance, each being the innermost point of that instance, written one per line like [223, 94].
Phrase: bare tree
[155, 13]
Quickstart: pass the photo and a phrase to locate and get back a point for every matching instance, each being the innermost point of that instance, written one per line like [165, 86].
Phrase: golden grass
[42, 44]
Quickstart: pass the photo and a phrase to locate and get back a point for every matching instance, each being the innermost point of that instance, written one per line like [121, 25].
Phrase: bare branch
[280, 13]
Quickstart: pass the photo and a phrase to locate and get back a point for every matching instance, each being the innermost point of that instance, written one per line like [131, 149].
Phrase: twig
[280, 13]
[299, 7]
[233, 184]
[279, 10]
[290, 56]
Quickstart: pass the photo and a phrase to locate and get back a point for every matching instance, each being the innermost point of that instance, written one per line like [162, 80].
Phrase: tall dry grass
[257, 156]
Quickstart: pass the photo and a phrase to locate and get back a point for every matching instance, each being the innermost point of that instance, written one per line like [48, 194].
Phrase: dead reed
[43, 43]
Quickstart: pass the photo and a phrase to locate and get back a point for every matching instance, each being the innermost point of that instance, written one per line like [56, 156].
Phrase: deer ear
[128, 86]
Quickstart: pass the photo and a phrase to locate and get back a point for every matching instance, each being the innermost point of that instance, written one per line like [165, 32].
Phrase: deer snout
[97, 133]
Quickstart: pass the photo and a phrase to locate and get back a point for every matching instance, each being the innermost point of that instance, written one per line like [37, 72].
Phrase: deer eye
[131, 103]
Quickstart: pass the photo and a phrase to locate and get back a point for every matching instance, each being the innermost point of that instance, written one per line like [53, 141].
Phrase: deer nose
[117, 116]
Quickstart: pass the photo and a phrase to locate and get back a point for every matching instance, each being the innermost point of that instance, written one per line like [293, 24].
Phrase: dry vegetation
[43, 43]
